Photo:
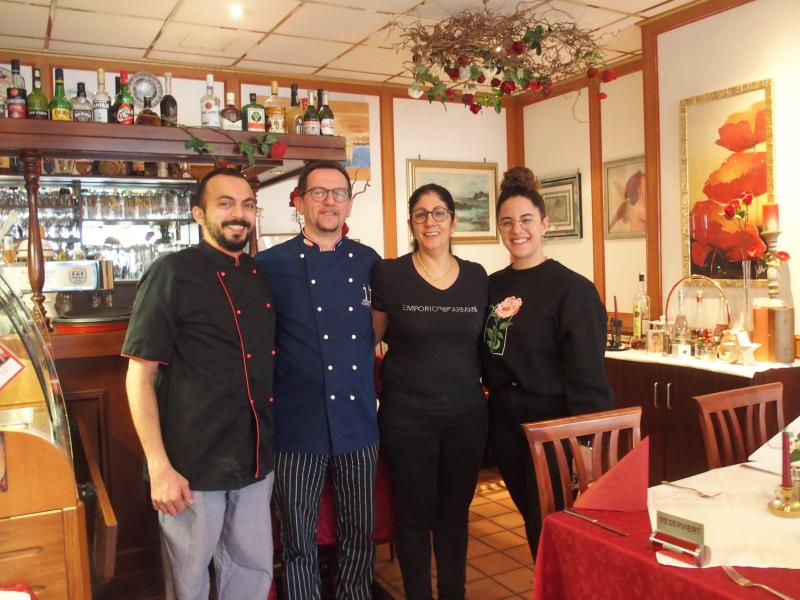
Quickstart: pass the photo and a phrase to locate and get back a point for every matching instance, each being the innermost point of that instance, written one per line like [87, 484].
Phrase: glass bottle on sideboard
[641, 315]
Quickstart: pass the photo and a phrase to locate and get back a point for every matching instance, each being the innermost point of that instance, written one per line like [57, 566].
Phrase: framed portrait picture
[474, 189]
[625, 207]
[726, 155]
[562, 201]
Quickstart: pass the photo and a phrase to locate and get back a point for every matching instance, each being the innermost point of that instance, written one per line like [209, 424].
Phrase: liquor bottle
[698, 322]
[310, 118]
[81, 107]
[641, 311]
[209, 105]
[293, 114]
[147, 116]
[37, 102]
[169, 106]
[276, 114]
[326, 123]
[318, 103]
[16, 105]
[3, 110]
[230, 116]
[123, 105]
[681, 326]
[112, 111]
[60, 108]
[17, 80]
[254, 116]
[101, 103]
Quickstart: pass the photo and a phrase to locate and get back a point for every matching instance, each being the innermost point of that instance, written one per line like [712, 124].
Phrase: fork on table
[696, 491]
[745, 582]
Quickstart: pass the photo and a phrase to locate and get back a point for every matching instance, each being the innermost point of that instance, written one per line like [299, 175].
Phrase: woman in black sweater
[433, 414]
[544, 343]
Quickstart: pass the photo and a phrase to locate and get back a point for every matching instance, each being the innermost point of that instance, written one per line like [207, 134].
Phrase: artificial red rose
[547, 89]
[495, 82]
[602, 96]
[468, 98]
[591, 72]
[475, 108]
[508, 87]
[782, 256]
[608, 75]
[295, 193]
[747, 198]
[731, 208]
[743, 130]
[453, 73]
[463, 60]
[518, 47]
[345, 230]
[450, 92]
[278, 150]
[534, 86]
[481, 78]
[741, 172]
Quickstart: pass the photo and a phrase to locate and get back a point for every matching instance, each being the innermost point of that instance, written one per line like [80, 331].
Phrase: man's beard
[228, 244]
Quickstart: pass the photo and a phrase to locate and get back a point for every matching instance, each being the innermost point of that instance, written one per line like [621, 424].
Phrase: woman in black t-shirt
[433, 415]
[544, 343]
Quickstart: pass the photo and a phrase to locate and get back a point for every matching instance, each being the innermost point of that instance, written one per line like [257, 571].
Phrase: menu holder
[681, 539]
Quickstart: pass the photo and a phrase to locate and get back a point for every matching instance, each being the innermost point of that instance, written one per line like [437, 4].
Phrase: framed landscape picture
[562, 201]
[625, 208]
[474, 190]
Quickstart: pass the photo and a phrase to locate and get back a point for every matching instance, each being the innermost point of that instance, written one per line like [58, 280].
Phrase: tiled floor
[499, 564]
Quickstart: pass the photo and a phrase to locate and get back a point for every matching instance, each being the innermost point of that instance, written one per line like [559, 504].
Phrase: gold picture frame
[474, 189]
[726, 147]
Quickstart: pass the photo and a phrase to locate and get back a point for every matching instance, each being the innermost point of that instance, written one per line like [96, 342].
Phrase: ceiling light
[236, 11]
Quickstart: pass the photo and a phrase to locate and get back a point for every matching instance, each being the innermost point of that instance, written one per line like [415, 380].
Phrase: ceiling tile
[587, 17]
[257, 16]
[390, 35]
[375, 60]
[10, 41]
[333, 23]
[198, 59]
[625, 6]
[340, 74]
[624, 36]
[279, 48]
[210, 41]
[75, 26]
[271, 67]
[95, 50]
[662, 7]
[394, 6]
[156, 9]
[440, 9]
[23, 19]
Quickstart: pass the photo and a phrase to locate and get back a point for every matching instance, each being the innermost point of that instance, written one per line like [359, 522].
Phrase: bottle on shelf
[112, 111]
[294, 115]
[254, 116]
[641, 315]
[17, 80]
[147, 116]
[311, 118]
[82, 109]
[169, 106]
[37, 102]
[276, 114]
[123, 105]
[3, 111]
[16, 104]
[209, 105]
[326, 122]
[60, 108]
[231, 116]
[101, 103]
[318, 103]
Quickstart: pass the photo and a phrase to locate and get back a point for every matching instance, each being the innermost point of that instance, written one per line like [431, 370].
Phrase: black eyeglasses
[439, 214]
[524, 221]
[318, 194]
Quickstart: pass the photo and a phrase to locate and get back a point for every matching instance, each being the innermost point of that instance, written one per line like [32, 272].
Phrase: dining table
[579, 559]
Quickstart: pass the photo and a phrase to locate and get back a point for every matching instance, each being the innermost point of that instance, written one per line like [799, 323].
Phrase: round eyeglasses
[318, 194]
[439, 214]
[524, 221]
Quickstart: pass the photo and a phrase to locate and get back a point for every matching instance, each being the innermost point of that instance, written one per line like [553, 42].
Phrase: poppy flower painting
[726, 164]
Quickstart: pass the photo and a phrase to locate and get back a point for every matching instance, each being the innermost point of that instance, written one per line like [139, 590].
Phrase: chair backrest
[723, 416]
[553, 436]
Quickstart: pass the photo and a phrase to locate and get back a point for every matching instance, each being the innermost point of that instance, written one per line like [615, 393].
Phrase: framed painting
[562, 202]
[625, 207]
[726, 179]
[474, 190]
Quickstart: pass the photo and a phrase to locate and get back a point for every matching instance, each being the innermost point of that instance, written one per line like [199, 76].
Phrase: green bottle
[38, 107]
[123, 105]
[60, 108]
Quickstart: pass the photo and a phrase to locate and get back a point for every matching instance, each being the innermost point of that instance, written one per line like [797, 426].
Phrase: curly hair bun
[519, 177]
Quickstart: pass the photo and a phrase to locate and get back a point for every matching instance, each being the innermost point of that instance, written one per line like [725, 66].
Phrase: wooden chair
[604, 427]
[756, 409]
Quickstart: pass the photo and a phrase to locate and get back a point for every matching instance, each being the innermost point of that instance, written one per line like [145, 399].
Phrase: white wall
[623, 137]
[431, 132]
[717, 53]
[557, 145]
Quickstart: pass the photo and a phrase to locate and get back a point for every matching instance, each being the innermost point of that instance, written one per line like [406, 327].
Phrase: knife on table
[574, 513]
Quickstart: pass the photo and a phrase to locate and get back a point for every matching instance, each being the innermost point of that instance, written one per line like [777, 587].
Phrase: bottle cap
[209, 79]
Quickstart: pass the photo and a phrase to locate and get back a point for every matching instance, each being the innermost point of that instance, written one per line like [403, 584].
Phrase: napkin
[623, 487]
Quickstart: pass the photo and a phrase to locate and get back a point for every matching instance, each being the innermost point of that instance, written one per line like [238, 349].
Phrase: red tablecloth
[579, 560]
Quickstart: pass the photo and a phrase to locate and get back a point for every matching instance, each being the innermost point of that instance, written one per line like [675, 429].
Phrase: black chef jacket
[208, 319]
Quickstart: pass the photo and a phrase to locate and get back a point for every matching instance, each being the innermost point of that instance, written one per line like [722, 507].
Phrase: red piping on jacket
[141, 359]
[244, 364]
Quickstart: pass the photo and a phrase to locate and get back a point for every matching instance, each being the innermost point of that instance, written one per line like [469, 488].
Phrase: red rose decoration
[782, 256]
[731, 208]
[602, 96]
[534, 86]
[508, 87]
[712, 230]
[747, 198]
[278, 150]
[481, 78]
[295, 193]
[518, 47]
[468, 99]
[453, 73]
[345, 230]
[608, 75]
[495, 82]
[591, 72]
[475, 108]
[463, 60]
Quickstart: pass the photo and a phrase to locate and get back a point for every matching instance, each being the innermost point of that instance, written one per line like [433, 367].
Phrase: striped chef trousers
[298, 487]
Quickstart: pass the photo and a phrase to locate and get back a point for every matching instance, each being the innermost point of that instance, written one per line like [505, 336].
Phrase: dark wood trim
[596, 167]
[85, 345]
[651, 29]
[388, 176]
[515, 134]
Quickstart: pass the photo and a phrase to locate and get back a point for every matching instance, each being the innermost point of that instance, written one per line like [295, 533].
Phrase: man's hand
[169, 490]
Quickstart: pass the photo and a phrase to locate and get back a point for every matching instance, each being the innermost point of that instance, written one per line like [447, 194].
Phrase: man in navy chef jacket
[201, 344]
[325, 407]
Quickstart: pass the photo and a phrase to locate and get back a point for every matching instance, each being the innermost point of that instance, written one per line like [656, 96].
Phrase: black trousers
[433, 448]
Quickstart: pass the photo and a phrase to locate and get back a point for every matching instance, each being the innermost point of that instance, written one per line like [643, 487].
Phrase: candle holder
[771, 239]
[787, 501]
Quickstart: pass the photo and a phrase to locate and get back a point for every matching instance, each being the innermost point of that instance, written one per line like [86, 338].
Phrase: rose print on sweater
[498, 323]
